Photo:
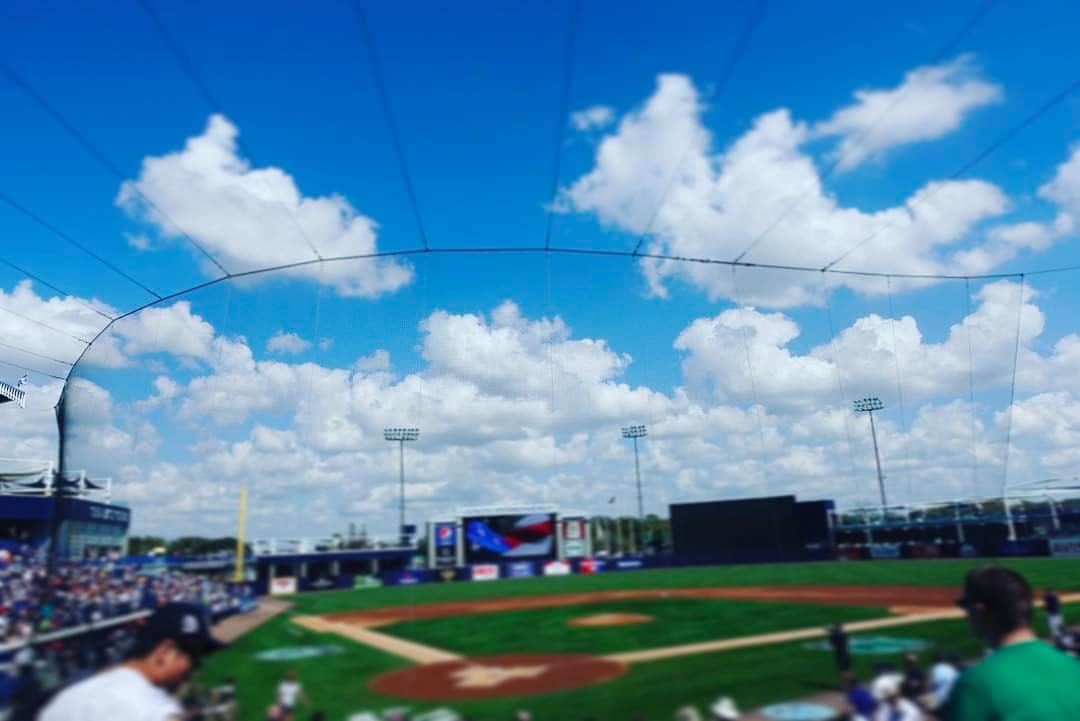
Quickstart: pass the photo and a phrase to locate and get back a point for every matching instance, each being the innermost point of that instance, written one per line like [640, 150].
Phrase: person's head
[850, 680]
[290, 675]
[887, 687]
[911, 660]
[688, 713]
[997, 601]
[171, 643]
[724, 709]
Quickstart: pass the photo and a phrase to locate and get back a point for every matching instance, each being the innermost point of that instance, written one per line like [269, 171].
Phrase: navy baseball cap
[185, 623]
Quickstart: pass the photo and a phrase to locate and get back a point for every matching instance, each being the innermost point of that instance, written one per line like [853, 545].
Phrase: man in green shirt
[1023, 678]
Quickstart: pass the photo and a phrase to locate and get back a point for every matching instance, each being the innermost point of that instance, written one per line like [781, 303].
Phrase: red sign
[485, 572]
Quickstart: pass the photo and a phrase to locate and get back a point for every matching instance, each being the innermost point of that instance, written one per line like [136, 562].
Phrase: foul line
[408, 650]
[766, 639]
[802, 634]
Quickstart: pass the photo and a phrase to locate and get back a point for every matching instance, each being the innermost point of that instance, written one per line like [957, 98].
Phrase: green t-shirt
[1028, 681]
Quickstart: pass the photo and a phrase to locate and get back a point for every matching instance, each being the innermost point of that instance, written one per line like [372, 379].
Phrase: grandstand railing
[60, 634]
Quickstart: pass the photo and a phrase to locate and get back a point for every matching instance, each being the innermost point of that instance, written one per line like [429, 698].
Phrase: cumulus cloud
[51, 327]
[251, 218]
[592, 118]
[931, 102]
[283, 343]
[516, 408]
[720, 202]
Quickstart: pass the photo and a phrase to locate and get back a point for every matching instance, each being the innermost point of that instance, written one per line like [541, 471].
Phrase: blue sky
[900, 96]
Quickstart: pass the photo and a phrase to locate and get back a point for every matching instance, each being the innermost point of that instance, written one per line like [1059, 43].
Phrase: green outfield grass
[652, 691]
[675, 621]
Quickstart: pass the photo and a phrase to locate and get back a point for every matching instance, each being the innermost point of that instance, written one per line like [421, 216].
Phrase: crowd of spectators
[36, 599]
[53, 618]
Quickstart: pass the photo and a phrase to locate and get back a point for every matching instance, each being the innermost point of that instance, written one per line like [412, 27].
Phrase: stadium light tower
[868, 405]
[400, 435]
[633, 433]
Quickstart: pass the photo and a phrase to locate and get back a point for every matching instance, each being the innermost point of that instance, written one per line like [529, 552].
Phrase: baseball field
[619, 645]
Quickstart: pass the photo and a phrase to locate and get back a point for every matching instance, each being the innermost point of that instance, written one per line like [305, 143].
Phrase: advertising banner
[574, 538]
[591, 565]
[485, 572]
[449, 574]
[1065, 547]
[283, 585]
[556, 568]
[361, 583]
[885, 550]
[926, 550]
[520, 569]
[445, 544]
[629, 564]
[405, 578]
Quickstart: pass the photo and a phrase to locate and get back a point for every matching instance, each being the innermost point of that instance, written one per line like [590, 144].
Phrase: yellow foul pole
[241, 525]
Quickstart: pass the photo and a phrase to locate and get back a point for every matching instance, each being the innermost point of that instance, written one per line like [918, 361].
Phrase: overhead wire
[43, 324]
[758, 410]
[737, 52]
[388, 113]
[70, 240]
[102, 159]
[31, 369]
[1012, 391]
[986, 152]
[981, 11]
[569, 60]
[188, 67]
[35, 354]
[971, 391]
[50, 286]
[899, 388]
[840, 384]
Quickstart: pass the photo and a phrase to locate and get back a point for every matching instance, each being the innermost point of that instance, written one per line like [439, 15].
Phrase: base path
[410, 650]
[880, 596]
[236, 626]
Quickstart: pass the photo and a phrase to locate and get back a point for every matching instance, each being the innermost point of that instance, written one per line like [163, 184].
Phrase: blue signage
[625, 564]
[520, 569]
[445, 535]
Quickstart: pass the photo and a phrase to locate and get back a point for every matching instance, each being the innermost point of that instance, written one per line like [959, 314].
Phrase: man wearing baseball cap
[1023, 677]
[168, 649]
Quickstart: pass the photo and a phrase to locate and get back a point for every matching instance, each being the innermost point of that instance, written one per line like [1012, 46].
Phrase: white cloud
[721, 202]
[377, 361]
[284, 343]
[1064, 189]
[496, 428]
[173, 329]
[592, 118]
[248, 217]
[931, 102]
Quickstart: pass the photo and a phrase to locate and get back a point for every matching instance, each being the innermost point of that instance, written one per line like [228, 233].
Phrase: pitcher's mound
[609, 619]
[497, 676]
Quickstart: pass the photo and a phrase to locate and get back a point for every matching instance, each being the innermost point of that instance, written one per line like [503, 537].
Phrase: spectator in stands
[914, 677]
[892, 706]
[943, 675]
[688, 713]
[724, 709]
[1022, 677]
[860, 702]
[1052, 606]
[170, 646]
